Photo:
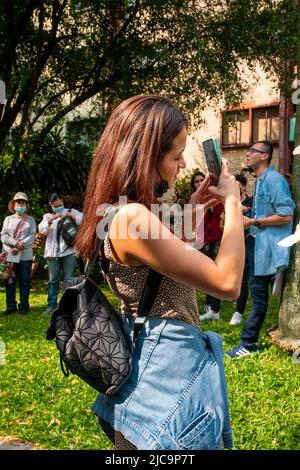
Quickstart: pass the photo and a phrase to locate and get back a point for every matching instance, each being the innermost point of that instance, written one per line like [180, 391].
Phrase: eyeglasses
[253, 150]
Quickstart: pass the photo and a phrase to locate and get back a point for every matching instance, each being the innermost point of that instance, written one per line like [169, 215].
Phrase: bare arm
[200, 201]
[148, 241]
[269, 221]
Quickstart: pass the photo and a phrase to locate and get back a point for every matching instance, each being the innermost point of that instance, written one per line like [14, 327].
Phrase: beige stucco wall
[260, 92]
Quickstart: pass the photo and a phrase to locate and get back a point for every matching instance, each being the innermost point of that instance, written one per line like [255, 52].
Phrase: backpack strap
[147, 300]
[91, 262]
[58, 234]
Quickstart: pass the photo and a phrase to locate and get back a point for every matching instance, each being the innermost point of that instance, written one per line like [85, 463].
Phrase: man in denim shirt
[271, 220]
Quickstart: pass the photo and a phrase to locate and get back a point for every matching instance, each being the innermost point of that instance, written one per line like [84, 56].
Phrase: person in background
[247, 207]
[61, 258]
[17, 236]
[271, 220]
[196, 181]
[209, 246]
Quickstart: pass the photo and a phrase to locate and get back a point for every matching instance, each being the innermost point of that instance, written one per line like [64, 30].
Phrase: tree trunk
[289, 311]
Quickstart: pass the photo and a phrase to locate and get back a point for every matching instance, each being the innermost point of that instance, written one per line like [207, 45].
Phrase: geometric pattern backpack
[89, 332]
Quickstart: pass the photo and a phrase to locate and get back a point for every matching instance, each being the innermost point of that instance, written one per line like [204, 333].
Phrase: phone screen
[213, 159]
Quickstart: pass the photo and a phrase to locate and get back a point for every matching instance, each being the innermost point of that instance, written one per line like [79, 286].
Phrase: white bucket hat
[17, 197]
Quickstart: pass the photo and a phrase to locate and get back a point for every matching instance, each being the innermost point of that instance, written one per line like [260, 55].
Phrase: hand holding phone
[213, 159]
[227, 186]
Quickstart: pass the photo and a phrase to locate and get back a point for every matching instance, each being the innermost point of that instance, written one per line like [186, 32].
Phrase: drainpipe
[282, 134]
[285, 151]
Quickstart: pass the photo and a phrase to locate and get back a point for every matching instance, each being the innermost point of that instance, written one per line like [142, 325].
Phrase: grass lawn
[40, 405]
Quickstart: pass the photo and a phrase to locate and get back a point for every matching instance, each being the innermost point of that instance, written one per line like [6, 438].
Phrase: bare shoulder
[138, 238]
[132, 232]
[133, 211]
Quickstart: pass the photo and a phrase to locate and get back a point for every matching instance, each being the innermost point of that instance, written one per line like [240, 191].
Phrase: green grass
[40, 405]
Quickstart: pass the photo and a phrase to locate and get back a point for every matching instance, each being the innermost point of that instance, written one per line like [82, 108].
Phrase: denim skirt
[176, 395]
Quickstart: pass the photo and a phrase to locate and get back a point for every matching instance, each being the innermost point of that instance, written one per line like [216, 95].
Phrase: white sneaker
[210, 314]
[236, 319]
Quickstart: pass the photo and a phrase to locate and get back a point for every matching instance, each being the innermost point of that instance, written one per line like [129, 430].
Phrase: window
[235, 128]
[85, 131]
[265, 122]
[244, 127]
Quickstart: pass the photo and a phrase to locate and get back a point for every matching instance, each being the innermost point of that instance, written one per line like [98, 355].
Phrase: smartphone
[213, 159]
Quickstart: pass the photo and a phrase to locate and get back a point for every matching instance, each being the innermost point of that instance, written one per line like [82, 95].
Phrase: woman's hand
[201, 196]
[53, 217]
[71, 215]
[247, 222]
[227, 187]
[20, 245]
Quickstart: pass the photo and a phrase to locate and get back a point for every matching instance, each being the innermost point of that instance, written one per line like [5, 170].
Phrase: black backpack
[67, 229]
[89, 332]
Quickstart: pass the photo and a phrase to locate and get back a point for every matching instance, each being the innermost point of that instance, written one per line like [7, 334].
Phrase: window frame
[250, 109]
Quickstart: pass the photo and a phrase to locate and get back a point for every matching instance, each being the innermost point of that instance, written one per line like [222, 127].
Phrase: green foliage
[54, 57]
[6, 160]
[60, 167]
[38, 207]
[182, 187]
[40, 405]
[56, 166]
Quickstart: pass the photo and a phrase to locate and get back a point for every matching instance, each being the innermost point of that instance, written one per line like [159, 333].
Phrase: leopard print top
[174, 300]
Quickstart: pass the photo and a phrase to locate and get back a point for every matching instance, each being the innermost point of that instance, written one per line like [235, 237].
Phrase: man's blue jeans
[22, 271]
[64, 266]
[243, 298]
[259, 286]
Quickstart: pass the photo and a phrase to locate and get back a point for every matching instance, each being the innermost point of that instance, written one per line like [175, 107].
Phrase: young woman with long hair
[176, 394]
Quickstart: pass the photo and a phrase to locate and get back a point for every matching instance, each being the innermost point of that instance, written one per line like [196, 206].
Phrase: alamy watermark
[2, 353]
[2, 99]
[185, 222]
[296, 93]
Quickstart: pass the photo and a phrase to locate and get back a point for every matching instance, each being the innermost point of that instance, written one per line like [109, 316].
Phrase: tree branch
[15, 34]
[79, 99]
[46, 106]
[112, 44]
[42, 57]
[37, 71]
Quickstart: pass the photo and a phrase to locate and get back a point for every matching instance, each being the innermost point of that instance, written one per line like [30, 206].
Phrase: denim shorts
[176, 395]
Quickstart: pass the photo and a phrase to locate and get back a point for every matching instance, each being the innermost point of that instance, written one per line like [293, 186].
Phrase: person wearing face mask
[17, 236]
[61, 258]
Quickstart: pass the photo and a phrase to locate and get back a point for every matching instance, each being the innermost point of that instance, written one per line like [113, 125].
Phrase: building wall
[260, 92]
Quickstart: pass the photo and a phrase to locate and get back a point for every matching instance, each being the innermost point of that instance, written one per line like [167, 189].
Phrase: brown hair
[197, 173]
[138, 134]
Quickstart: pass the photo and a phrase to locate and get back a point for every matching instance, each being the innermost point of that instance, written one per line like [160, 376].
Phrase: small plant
[182, 188]
[38, 206]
